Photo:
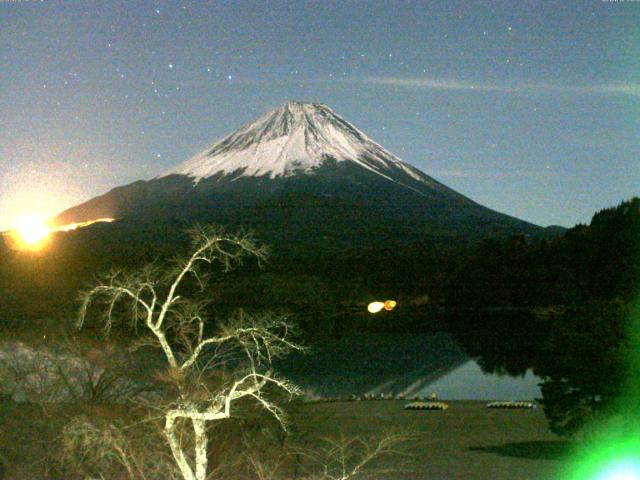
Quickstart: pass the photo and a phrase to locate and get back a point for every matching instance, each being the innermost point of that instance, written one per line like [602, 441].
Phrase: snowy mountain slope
[296, 138]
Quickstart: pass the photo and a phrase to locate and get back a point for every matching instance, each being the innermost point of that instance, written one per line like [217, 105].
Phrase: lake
[400, 364]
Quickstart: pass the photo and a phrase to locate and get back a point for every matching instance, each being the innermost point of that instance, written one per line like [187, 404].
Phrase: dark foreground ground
[466, 441]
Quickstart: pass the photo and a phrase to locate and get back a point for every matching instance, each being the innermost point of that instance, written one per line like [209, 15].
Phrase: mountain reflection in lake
[469, 382]
[400, 365]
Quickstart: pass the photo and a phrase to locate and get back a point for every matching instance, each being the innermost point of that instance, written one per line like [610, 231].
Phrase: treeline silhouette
[566, 308]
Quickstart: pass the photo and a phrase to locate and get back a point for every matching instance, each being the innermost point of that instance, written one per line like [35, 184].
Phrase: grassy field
[467, 441]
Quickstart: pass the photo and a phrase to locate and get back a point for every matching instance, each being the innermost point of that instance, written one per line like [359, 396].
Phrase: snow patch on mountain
[295, 138]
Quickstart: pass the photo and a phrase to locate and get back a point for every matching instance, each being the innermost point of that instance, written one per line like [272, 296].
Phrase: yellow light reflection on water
[375, 307]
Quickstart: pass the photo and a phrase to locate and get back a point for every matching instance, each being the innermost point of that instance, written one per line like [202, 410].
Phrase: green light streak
[612, 460]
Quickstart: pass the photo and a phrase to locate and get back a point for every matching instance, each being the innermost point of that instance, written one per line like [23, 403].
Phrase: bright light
[75, 226]
[622, 470]
[32, 231]
[375, 307]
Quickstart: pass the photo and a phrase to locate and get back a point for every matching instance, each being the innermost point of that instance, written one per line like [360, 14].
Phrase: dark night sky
[530, 108]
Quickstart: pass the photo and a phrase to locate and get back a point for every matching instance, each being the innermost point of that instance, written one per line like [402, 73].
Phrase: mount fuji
[298, 138]
[302, 175]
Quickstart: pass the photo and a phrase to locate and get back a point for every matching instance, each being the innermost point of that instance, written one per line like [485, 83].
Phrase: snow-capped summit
[295, 138]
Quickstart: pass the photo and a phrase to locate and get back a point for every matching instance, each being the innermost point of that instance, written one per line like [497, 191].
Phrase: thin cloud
[631, 89]
[474, 173]
[617, 88]
[430, 83]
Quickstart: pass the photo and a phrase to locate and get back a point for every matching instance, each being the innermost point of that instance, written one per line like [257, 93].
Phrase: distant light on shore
[389, 305]
[375, 307]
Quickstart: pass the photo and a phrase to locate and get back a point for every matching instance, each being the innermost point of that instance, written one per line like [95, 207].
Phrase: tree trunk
[200, 429]
[176, 449]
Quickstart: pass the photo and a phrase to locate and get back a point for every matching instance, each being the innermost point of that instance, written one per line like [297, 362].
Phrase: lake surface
[400, 364]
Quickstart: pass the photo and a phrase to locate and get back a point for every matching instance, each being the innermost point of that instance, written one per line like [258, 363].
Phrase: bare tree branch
[348, 458]
[154, 299]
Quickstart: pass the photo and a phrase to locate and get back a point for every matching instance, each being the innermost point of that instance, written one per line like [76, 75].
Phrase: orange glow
[31, 232]
[75, 226]
[390, 305]
[375, 307]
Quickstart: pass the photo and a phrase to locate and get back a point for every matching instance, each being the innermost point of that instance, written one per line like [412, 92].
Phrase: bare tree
[343, 458]
[211, 373]
[65, 371]
[350, 458]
